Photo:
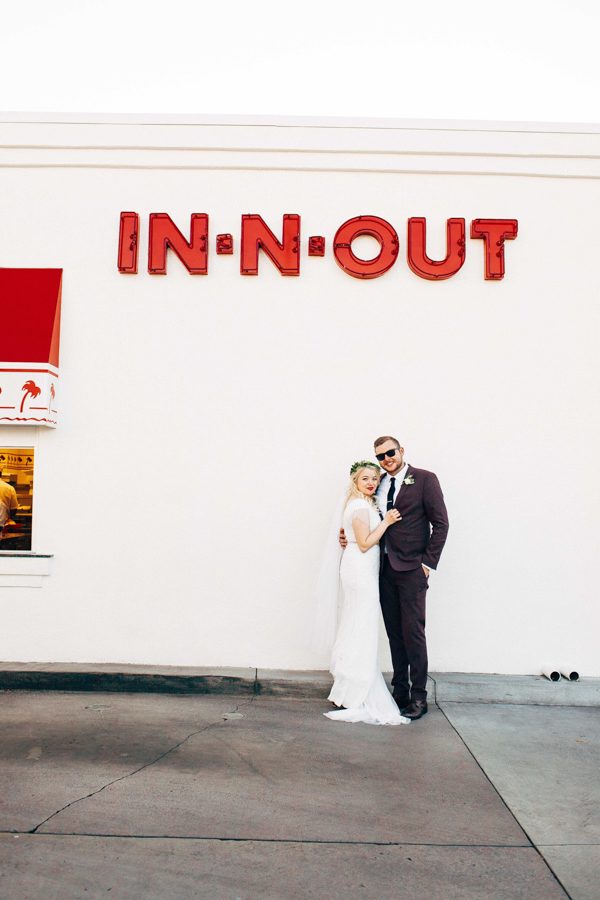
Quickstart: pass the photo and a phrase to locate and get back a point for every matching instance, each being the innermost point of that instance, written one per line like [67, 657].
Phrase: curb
[113, 678]
[443, 687]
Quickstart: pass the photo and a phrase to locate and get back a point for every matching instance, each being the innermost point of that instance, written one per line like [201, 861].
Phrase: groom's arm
[435, 509]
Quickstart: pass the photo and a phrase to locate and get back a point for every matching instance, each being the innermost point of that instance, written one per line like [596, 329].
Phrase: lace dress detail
[358, 684]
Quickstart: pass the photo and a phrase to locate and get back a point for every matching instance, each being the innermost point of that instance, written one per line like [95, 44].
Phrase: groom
[410, 550]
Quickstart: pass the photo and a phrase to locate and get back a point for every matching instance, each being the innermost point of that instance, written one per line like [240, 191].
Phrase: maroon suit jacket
[421, 534]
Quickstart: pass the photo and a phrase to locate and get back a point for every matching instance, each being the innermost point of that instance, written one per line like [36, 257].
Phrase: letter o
[375, 227]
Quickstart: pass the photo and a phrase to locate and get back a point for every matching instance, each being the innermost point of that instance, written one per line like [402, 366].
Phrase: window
[16, 497]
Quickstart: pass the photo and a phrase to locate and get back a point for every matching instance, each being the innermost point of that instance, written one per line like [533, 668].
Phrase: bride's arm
[367, 539]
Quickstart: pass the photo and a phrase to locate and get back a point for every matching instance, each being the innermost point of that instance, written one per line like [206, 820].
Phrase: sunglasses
[382, 456]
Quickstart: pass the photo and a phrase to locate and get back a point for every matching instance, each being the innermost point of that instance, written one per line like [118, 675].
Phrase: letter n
[256, 235]
[164, 234]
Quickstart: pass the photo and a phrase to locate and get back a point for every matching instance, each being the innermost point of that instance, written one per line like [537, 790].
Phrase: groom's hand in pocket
[343, 539]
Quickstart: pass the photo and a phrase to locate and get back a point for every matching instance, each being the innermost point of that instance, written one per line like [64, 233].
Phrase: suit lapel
[406, 474]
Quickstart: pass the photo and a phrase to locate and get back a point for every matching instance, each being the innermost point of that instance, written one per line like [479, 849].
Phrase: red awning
[29, 346]
[30, 315]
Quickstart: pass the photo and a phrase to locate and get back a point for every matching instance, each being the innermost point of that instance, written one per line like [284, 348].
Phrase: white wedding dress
[358, 683]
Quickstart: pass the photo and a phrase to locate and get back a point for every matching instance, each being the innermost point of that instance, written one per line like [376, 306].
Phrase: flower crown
[361, 464]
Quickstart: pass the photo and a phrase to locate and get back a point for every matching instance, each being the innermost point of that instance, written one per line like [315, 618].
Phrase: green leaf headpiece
[361, 464]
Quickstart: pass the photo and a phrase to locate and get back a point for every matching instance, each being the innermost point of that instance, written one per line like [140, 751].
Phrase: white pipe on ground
[569, 673]
[550, 673]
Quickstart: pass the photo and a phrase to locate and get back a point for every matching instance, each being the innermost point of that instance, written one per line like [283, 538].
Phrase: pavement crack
[327, 842]
[139, 769]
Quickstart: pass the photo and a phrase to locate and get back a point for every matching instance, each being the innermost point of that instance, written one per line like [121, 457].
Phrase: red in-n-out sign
[284, 253]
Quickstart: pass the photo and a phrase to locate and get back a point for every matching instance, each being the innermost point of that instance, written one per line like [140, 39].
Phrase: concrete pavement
[218, 796]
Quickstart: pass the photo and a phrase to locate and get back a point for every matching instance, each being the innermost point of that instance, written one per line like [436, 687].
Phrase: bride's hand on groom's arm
[367, 539]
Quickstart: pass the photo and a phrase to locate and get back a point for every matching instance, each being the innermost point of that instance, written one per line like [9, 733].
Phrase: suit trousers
[402, 596]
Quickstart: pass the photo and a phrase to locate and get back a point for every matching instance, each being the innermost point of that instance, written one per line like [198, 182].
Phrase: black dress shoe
[416, 709]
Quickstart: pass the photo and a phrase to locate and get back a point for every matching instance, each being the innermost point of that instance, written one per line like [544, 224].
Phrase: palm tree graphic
[31, 389]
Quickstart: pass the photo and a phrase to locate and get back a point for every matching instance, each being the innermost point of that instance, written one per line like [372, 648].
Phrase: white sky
[470, 59]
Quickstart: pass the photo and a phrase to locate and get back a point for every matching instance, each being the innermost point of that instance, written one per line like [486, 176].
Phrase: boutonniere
[409, 480]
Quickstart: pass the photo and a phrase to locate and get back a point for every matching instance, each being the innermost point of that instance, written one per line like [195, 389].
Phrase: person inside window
[8, 503]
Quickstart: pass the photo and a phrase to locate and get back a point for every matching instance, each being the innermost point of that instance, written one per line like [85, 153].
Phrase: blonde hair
[353, 490]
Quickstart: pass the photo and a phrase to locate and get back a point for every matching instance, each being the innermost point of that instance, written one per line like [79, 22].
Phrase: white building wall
[207, 423]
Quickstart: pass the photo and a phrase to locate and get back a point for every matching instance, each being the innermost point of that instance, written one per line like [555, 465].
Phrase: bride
[358, 687]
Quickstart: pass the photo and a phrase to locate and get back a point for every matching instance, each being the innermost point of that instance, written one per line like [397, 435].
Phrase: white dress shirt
[384, 486]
